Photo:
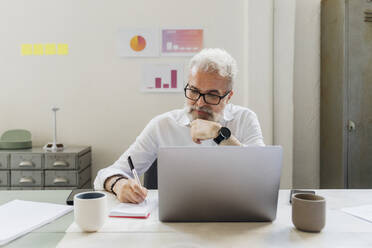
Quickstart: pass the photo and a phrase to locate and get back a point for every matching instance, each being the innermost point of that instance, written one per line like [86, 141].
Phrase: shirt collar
[227, 116]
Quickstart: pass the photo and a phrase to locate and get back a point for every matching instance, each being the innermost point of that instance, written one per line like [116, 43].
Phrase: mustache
[203, 108]
[211, 115]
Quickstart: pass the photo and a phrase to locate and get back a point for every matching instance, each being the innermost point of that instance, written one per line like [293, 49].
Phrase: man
[208, 119]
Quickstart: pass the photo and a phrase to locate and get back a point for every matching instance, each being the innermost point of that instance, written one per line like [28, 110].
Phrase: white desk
[341, 230]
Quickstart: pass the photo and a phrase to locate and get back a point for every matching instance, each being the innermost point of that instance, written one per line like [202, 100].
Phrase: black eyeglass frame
[203, 94]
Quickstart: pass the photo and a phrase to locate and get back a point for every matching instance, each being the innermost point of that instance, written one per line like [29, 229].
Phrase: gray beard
[212, 116]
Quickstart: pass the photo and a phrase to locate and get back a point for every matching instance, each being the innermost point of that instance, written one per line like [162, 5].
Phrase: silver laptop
[224, 183]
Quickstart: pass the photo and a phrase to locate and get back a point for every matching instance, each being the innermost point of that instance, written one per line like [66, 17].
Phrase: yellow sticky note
[38, 49]
[62, 49]
[26, 49]
[50, 49]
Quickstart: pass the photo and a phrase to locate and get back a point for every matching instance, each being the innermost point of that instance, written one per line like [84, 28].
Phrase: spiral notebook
[131, 210]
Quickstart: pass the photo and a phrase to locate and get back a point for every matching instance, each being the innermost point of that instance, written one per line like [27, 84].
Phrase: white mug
[90, 210]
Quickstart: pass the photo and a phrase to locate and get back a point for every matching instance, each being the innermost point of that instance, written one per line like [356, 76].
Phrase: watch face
[225, 132]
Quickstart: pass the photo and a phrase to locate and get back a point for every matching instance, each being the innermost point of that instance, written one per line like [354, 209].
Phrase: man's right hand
[127, 190]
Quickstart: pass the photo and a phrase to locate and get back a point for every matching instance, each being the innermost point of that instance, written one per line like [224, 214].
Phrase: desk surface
[341, 230]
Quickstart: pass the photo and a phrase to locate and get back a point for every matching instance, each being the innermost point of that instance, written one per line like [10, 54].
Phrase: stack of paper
[130, 210]
[20, 217]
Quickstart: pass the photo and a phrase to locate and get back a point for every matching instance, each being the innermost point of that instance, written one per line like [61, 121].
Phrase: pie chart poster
[138, 43]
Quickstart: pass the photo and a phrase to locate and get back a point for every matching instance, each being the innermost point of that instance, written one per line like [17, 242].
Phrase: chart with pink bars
[181, 42]
[162, 78]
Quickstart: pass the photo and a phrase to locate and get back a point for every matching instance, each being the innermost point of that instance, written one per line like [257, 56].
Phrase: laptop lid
[224, 183]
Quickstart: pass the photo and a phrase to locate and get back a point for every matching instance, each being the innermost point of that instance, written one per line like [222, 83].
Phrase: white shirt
[172, 129]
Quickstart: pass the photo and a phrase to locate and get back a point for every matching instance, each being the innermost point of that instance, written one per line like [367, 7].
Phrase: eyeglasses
[194, 94]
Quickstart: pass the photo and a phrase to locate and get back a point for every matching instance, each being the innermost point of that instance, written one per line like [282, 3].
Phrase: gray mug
[308, 212]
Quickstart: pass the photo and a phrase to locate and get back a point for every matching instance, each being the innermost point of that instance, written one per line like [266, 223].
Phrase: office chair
[150, 180]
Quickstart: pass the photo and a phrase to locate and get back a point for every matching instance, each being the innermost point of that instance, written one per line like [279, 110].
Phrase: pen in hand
[134, 172]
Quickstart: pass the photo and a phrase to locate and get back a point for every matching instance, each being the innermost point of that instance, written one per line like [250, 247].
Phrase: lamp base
[52, 147]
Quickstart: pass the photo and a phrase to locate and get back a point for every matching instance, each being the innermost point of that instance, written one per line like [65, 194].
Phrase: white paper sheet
[364, 212]
[20, 217]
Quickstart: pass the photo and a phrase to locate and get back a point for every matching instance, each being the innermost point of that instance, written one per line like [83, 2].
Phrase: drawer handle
[59, 180]
[26, 180]
[60, 164]
[26, 164]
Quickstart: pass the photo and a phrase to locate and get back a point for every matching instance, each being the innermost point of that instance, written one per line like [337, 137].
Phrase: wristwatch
[223, 134]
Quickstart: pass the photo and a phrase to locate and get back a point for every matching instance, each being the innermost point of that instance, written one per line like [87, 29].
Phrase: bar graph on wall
[181, 42]
[162, 78]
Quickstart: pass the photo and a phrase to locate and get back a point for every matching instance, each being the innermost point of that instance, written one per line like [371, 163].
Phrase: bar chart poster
[138, 42]
[181, 42]
[162, 78]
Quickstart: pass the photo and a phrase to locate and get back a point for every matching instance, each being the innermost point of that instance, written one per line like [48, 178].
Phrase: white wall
[307, 95]
[259, 18]
[284, 36]
[96, 90]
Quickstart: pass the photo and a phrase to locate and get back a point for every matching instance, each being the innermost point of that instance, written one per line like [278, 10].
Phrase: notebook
[20, 217]
[131, 210]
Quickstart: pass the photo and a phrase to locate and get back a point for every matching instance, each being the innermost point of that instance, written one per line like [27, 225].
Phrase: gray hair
[215, 60]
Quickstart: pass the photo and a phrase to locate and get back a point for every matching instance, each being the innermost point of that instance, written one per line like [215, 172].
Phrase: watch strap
[116, 180]
[219, 139]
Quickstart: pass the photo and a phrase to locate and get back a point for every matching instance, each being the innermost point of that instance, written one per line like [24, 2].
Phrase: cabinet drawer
[4, 178]
[65, 161]
[27, 178]
[4, 161]
[26, 161]
[61, 178]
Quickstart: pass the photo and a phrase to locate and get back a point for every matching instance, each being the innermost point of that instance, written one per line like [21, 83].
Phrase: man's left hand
[203, 130]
